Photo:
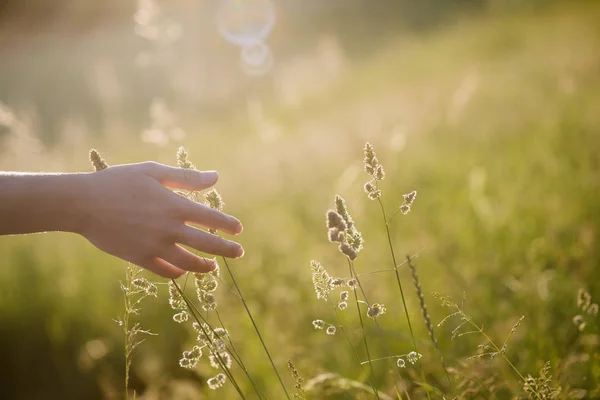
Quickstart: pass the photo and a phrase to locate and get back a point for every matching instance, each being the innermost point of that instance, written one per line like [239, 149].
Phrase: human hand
[129, 213]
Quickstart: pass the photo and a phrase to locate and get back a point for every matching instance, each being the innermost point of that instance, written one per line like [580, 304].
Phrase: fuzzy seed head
[213, 200]
[220, 333]
[224, 357]
[342, 305]
[410, 197]
[579, 322]
[335, 220]
[372, 192]
[352, 283]
[217, 382]
[375, 310]
[347, 250]
[583, 299]
[146, 286]
[338, 282]
[182, 159]
[379, 173]
[335, 235]
[318, 324]
[355, 240]
[401, 363]
[181, 317]
[404, 209]
[370, 161]
[413, 357]
[340, 207]
[374, 195]
[177, 302]
[330, 330]
[97, 161]
[322, 281]
[344, 296]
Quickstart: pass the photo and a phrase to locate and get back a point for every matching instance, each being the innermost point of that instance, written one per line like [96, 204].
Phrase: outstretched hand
[132, 215]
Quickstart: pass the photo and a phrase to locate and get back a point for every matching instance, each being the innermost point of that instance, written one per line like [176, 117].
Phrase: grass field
[494, 121]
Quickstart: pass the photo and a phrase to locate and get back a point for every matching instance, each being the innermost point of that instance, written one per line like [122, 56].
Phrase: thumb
[180, 178]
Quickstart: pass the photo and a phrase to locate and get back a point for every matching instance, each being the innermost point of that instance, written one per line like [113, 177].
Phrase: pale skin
[125, 210]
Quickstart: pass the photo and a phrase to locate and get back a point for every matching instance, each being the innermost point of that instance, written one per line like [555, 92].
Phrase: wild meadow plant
[537, 388]
[135, 289]
[216, 340]
[342, 230]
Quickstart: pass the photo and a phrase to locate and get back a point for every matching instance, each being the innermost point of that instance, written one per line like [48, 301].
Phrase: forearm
[32, 203]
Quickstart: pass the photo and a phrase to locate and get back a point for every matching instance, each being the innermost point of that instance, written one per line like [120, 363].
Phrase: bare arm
[126, 211]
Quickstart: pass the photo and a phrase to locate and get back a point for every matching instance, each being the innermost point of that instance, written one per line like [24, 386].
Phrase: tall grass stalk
[238, 359]
[264, 345]
[466, 319]
[362, 327]
[134, 291]
[213, 200]
[197, 315]
[354, 351]
[393, 254]
[132, 296]
[379, 330]
[428, 324]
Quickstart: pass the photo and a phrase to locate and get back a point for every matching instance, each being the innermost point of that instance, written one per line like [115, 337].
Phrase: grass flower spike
[375, 310]
[322, 282]
[97, 161]
[177, 302]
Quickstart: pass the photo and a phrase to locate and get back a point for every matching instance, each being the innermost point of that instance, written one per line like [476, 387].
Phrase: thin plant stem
[126, 330]
[239, 359]
[256, 328]
[391, 246]
[195, 313]
[379, 330]
[391, 269]
[427, 319]
[353, 348]
[364, 334]
[499, 351]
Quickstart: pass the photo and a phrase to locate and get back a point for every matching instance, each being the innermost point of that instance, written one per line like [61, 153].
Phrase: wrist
[77, 209]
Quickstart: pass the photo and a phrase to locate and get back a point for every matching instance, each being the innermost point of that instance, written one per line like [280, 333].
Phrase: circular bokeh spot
[256, 59]
[245, 22]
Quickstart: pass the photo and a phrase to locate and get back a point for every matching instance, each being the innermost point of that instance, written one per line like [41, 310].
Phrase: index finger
[209, 218]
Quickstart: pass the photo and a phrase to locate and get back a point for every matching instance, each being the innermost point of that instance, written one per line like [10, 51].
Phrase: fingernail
[240, 252]
[210, 177]
[239, 228]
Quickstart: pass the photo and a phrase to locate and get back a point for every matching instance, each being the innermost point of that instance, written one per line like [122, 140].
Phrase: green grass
[507, 211]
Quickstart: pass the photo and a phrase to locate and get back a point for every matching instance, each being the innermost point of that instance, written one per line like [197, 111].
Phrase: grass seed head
[322, 281]
[318, 324]
[371, 163]
[97, 161]
[335, 235]
[346, 249]
[335, 220]
[182, 159]
[409, 198]
[217, 382]
[375, 310]
[413, 357]
[213, 199]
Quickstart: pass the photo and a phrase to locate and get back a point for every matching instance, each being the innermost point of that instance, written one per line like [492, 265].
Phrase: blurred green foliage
[494, 121]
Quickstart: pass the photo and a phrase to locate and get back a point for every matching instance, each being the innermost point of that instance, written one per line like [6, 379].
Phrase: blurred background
[489, 109]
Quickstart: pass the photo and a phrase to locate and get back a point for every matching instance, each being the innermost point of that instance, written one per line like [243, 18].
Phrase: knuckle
[149, 166]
